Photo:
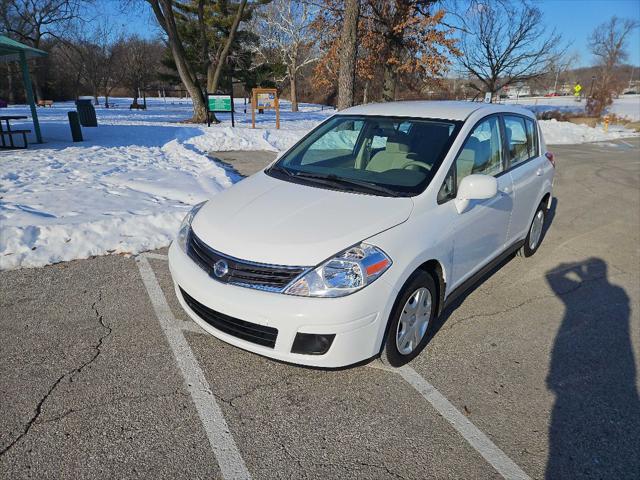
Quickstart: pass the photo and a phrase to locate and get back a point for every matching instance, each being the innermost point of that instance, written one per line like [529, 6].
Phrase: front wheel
[534, 237]
[411, 320]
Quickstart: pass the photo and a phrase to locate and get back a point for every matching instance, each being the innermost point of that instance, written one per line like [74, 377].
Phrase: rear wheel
[534, 237]
[411, 320]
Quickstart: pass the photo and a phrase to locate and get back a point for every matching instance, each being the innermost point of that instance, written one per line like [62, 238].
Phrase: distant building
[516, 91]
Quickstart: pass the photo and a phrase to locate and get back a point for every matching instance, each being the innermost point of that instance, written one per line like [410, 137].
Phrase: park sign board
[220, 103]
[264, 99]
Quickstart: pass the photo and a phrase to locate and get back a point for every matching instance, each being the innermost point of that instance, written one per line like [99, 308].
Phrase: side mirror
[475, 187]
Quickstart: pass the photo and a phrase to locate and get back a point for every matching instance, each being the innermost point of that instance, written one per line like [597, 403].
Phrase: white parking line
[478, 440]
[224, 447]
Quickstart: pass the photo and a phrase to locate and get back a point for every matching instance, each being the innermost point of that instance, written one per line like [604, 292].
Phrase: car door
[526, 167]
[480, 232]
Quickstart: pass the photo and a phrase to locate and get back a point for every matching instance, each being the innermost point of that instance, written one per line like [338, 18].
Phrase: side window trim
[452, 168]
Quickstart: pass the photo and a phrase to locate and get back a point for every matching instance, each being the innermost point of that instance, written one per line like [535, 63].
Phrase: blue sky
[574, 19]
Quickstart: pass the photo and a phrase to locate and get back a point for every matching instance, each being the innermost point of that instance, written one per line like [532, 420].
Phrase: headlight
[185, 226]
[347, 272]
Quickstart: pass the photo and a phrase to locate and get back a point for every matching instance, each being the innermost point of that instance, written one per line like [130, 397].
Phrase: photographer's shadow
[595, 422]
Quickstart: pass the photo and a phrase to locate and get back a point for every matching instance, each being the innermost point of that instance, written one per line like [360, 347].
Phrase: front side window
[481, 153]
[376, 155]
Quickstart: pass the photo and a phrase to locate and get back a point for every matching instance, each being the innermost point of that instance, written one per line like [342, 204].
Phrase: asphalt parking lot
[533, 374]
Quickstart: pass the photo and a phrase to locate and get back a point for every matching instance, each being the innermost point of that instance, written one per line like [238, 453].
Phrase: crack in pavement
[528, 301]
[131, 398]
[347, 465]
[70, 374]
[255, 388]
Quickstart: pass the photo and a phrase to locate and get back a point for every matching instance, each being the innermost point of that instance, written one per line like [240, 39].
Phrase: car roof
[442, 109]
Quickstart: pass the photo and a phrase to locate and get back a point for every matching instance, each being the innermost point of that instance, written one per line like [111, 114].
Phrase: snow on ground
[563, 133]
[128, 185]
[627, 106]
[125, 188]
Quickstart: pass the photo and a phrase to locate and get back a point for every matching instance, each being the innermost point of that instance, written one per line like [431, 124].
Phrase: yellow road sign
[577, 90]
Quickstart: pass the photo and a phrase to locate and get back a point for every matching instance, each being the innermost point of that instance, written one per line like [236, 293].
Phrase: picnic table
[10, 133]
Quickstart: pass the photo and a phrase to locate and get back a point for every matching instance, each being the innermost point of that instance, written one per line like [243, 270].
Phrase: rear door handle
[539, 172]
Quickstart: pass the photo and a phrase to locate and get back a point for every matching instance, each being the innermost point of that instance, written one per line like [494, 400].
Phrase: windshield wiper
[333, 179]
[279, 169]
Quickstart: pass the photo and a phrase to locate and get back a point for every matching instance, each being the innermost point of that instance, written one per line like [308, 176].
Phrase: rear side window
[516, 133]
[532, 137]
[522, 138]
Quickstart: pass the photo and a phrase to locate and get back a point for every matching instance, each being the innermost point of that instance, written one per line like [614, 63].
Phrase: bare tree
[608, 45]
[31, 21]
[348, 54]
[505, 43]
[140, 64]
[113, 70]
[284, 28]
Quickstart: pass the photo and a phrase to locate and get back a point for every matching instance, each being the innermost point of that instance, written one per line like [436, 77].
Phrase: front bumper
[358, 320]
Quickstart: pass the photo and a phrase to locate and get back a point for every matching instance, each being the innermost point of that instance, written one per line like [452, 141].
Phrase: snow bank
[562, 133]
[126, 188]
[627, 106]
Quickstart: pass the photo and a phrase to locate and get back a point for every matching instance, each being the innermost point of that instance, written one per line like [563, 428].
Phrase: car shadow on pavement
[595, 421]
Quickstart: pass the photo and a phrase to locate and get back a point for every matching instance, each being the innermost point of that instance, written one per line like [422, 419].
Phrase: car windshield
[374, 155]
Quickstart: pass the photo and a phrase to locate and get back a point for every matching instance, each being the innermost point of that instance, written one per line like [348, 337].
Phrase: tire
[536, 232]
[400, 349]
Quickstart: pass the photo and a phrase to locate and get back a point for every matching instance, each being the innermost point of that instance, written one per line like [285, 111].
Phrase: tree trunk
[294, 89]
[12, 96]
[213, 75]
[166, 19]
[365, 93]
[348, 54]
[389, 84]
[37, 88]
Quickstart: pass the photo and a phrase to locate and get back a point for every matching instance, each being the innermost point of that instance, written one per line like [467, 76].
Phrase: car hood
[266, 220]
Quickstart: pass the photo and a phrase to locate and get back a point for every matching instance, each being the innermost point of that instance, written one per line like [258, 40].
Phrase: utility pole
[593, 79]
[555, 85]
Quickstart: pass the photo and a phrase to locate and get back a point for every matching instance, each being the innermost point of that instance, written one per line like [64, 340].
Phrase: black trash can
[87, 113]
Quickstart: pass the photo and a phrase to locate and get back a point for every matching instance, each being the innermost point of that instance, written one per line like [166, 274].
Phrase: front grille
[251, 332]
[272, 278]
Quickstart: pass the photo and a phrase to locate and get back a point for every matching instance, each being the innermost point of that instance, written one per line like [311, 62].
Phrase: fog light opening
[312, 344]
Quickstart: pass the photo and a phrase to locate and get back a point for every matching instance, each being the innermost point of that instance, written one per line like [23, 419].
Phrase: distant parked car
[3, 103]
[351, 244]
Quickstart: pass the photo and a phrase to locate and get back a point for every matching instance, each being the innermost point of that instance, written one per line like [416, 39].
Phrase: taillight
[549, 156]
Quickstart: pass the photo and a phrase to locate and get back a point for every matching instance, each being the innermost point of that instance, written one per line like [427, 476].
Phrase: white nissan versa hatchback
[353, 241]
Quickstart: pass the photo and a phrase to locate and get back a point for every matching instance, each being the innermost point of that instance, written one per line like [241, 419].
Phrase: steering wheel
[415, 163]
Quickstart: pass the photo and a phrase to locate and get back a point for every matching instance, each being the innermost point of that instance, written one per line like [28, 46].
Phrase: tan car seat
[395, 155]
